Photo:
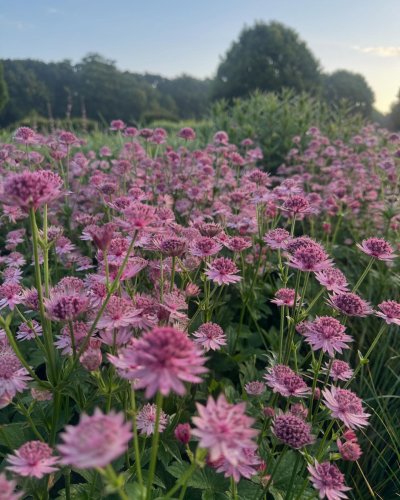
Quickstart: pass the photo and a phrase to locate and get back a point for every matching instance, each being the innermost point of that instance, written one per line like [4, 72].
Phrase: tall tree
[3, 89]
[351, 87]
[267, 57]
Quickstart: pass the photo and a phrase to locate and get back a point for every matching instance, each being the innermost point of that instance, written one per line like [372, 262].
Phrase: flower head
[224, 429]
[326, 333]
[292, 430]
[25, 135]
[187, 133]
[340, 370]
[345, 406]
[350, 304]
[164, 358]
[277, 239]
[350, 450]
[285, 297]
[32, 459]
[210, 336]
[328, 480]
[389, 311]
[247, 466]
[67, 304]
[286, 382]
[255, 388]
[223, 271]
[10, 295]
[378, 248]
[146, 419]
[310, 258]
[332, 279]
[13, 376]
[205, 246]
[96, 441]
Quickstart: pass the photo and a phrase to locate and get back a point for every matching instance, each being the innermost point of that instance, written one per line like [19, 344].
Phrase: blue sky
[175, 36]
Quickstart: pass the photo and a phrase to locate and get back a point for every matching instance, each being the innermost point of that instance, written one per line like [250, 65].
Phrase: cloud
[383, 51]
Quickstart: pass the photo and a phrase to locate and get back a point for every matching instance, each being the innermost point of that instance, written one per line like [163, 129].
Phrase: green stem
[135, 439]
[154, 445]
[182, 482]
[364, 274]
[293, 475]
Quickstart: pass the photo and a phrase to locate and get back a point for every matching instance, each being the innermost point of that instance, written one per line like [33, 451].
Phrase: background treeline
[265, 57]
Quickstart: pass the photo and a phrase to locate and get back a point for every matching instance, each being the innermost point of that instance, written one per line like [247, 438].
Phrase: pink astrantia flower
[146, 419]
[333, 280]
[25, 135]
[277, 239]
[292, 430]
[96, 441]
[339, 370]
[378, 248]
[66, 304]
[247, 466]
[210, 336]
[310, 258]
[29, 331]
[286, 382]
[187, 133]
[349, 450]
[328, 480]
[255, 388]
[183, 433]
[238, 244]
[223, 271]
[224, 429]
[32, 459]
[297, 204]
[205, 246]
[13, 376]
[326, 333]
[163, 359]
[390, 312]
[285, 297]
[10, 295]
[345, 406]
[350, 304]
[117, 125]
[7, 489]
[119, 313]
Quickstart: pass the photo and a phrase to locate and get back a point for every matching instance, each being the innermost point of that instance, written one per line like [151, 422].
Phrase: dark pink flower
[296, 204]
[66, 304]
[345, 406]
[25, 135]
[340, 370]
[224, 429]
[95, 441]
[187, 133]
[285, 297]
[286, 382]
[350, 304]
[33, 459]
[205, 246]
[183, 432]
[117, 125]
[389, 311]
[292, 430]
[223, 271]
[350, 450]
[378, 248]
[238, 244]
[210, 336]
[326, 333]
[328, 480]
[310, 258]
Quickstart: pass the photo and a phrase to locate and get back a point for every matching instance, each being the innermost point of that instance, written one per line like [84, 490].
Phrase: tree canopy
[267, 57]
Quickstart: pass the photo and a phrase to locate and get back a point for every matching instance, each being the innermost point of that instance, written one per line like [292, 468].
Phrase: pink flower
[255, 388]
[286, 382]
[205, 246]
[332, 279]
[390, 312]
[138, 216]
[10, 295]
[378, 248]
[345, 406]
[210, 336]
[285, 297]
[31, 189]
[29, 332]
[146, 419]
[326, 333]
[224, 429]
[247, 465]
[13, 376]
[350, 304]
[340, 370]
[66, 304]
[119, 313]
[163, 359]
[350, 450]
[328, 480]
[7, 489]
[238, 244]
[221, 137]
[183, 432]
[292, 430]
[187, 133]
[310, 258]
[96, 441]
[297, 204]
[172, 247]
[33, 459]
[277, 238]
[25, 135]
[223, 271]
[117, 125]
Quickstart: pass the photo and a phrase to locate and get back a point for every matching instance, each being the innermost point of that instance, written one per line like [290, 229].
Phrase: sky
[171, 37]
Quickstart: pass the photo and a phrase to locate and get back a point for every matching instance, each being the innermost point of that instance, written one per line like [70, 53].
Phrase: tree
[394, 115]
[3, 89]
[344, 85]
[267, 57]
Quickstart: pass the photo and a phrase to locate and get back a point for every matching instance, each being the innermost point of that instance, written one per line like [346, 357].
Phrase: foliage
[3, 89]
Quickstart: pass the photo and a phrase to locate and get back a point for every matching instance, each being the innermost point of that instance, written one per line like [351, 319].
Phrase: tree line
[267, 57]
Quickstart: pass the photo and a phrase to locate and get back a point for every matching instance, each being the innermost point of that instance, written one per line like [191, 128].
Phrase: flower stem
[135, 439]
[364, 274]
[154, 445]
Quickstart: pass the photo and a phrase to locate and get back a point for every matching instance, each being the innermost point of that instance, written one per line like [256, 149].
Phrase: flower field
[179, 321]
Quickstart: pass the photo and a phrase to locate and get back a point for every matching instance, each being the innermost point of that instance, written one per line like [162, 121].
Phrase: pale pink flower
[12, 275]
[221, 138]
[277, 238]
[205, 246]
[25, 135]
[345, 406]
[29, 331]
[247, 466]
[340, 370]
[66, 304]
[350, 304]
[163, 359]
[223, 271]
[146, 419]
[210, 336]
[310, 258]
[390, 312]
[95, 441]
[328, 480]
[255, 388]
[378, 248]
[238, 244]
[7, 489]
[10, 295]
[285, 297]
[138, 216]
[326, 333]
[332, 279]
[13, 376]
[224, 429]
[33, 459]
[286, 382]
[119, 313]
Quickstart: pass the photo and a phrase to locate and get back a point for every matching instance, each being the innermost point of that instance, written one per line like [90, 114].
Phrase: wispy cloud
[389, 51]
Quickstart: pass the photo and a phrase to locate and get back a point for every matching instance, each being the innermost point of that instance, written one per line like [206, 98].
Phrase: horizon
[173, 40]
